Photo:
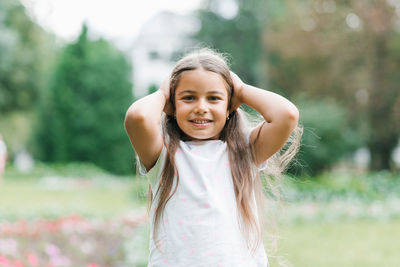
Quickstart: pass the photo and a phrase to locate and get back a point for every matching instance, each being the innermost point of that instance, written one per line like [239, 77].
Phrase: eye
[188, 97]
[214, 98]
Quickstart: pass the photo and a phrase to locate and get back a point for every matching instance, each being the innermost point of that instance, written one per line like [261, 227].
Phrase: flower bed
[67, 241]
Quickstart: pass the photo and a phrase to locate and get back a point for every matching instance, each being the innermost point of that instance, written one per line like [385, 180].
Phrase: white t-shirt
[200, 226]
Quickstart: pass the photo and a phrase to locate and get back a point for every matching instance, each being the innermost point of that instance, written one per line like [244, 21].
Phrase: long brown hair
[247, 184]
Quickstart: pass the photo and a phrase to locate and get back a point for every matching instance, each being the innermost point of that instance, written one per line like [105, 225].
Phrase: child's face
[201, 104]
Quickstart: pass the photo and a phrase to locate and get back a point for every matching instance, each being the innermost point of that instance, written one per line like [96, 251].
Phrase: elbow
[292, 116]
[133, 117]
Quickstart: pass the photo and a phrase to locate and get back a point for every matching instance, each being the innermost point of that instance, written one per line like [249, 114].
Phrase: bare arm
[280, 115]
[142, 124]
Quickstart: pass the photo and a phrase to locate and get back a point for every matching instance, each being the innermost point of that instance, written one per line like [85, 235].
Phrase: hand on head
[237, 91]
[165, 89]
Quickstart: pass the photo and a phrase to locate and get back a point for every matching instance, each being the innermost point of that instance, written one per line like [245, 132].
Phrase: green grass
[53, 196]
[22, 197]
[352, 244]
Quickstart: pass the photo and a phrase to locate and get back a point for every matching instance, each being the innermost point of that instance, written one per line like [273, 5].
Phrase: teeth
[196, 121]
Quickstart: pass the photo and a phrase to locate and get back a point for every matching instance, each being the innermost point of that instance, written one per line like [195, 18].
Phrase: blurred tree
[152, 88]
[326, 139]
[25, 53]
[81, 116]
[235, 27]
[347, 51]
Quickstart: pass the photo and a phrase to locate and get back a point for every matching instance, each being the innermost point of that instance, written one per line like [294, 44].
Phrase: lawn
[77, 215]
[59, 196]
[56, 190]
[345, 244]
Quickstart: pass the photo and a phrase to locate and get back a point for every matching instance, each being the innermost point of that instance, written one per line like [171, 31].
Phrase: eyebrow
[193, 92]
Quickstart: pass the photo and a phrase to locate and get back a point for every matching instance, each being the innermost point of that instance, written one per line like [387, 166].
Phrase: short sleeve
[263, 165]
[154, 173]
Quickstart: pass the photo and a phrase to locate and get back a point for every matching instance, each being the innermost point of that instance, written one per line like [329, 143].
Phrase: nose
[201, 107]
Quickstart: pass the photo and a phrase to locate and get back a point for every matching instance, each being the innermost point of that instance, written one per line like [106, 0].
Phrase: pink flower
[18, 263]
[32, 259]
[58, 260]
[92, 265]
[3, 261]
[52, 250]
[8, 246]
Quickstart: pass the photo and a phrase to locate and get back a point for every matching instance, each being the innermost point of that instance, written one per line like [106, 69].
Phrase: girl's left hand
[164, 88]
[238, 85]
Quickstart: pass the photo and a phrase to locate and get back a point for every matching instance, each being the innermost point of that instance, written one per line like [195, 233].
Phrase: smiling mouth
[201, 123]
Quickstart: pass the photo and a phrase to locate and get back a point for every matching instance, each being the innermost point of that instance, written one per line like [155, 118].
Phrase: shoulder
[154, 173]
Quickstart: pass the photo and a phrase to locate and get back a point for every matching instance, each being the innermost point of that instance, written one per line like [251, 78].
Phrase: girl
[205, 192]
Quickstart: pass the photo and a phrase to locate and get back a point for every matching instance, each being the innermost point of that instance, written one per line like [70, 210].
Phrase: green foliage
[330, 186]
[239, 36]
[81, 116]
[327, 136]
[16, 129]
[25, 53]
[313, 48]
[152, 88]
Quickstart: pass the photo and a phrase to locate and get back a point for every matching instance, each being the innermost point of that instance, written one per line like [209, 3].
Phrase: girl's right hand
[238, 85]
[165, 89]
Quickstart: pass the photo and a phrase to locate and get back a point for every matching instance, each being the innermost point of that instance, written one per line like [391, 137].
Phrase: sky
[116, 20]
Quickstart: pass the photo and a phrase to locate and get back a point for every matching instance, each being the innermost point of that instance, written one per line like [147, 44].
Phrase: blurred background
[70, 69]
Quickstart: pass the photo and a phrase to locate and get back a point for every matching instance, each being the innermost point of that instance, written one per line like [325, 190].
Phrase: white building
[159, 44]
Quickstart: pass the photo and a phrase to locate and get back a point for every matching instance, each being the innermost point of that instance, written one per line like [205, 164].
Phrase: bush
[328, 136]
[81, 116]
